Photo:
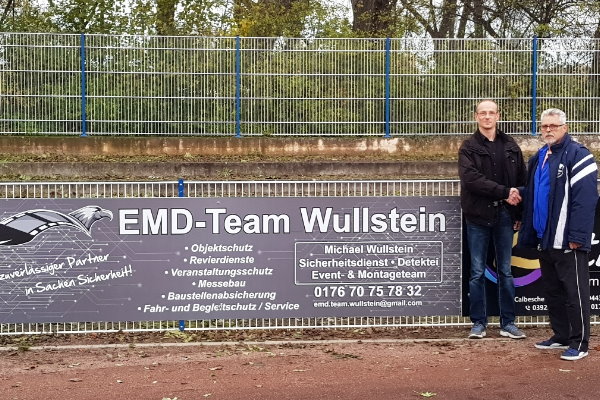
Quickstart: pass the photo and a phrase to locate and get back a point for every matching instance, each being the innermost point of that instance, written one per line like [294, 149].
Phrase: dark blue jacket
[572, 199]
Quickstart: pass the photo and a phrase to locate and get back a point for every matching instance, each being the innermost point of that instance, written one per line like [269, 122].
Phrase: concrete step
[252, 170]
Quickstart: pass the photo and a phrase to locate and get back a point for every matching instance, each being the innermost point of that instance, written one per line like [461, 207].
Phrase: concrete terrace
[227, 158]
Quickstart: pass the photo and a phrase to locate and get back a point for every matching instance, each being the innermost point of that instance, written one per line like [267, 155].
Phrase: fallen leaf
[564, 370]
[215, 368]
[207, 394]
[75, 380]
[119, 381]
[300, 370]
[427, 394]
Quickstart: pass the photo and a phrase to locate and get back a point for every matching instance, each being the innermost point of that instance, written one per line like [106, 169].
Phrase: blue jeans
[478, 238]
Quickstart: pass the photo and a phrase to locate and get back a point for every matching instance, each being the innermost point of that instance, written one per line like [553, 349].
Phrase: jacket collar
[477, 143]
[481, 138]
[562, 144]
[558, 147]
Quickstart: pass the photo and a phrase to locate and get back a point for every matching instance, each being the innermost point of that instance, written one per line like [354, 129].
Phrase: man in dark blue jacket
[558, 219]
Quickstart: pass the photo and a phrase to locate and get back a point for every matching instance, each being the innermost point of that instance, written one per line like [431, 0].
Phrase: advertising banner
[135, 259]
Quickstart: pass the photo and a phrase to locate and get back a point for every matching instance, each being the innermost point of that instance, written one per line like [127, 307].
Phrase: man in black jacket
[491, 167]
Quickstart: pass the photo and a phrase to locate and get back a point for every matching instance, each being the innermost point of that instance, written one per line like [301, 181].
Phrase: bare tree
[438, 22]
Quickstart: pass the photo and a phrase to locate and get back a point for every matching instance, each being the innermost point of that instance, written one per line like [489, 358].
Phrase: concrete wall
[75, 158]
[412, 146]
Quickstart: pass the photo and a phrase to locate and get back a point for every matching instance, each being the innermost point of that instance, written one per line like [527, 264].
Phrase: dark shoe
[573, 354]
[550, 344]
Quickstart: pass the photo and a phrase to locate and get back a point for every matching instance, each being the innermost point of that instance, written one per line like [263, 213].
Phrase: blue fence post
[238, 88]
[534, 68]
[181, 188]
[83, 86]
[388, 45]
[181, 193]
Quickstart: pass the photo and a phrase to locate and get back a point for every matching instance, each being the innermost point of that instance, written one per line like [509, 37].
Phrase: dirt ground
[403, 363]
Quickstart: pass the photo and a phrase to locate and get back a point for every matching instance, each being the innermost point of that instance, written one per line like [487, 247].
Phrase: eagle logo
[561, 171]
[25, 226]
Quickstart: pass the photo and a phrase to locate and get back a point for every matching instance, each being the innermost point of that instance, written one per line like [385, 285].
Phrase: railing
[171, 189]
[142, 85]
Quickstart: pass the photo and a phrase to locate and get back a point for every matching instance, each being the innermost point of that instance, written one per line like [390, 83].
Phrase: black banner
[529, 294]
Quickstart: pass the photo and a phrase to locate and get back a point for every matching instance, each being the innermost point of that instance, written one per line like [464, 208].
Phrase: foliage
[207, 17]
[307, 18]
[255, 18]
[26, 16]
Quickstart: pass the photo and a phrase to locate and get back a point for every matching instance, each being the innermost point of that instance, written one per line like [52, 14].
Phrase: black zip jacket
[480, 194]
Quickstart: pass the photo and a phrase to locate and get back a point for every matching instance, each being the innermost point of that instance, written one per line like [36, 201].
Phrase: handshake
[514, 197]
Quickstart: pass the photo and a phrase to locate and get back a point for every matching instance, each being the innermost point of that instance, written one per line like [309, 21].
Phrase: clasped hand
[514, 197]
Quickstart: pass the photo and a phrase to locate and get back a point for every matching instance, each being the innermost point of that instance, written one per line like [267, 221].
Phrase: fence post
[388, 45]
[238, 88]
[534, 64]
[181, 193]
[180, 188]
[83, 86]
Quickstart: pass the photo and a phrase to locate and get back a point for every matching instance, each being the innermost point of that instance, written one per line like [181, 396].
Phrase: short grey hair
[555, 111]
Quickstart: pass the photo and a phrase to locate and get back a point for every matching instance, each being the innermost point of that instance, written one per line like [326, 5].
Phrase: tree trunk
[373, 18]
[448, 20]
[478, 18]
[165, 17]
[10, 5]
[464, 18]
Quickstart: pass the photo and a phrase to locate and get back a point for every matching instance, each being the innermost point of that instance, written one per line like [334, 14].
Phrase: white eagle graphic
[23, 227]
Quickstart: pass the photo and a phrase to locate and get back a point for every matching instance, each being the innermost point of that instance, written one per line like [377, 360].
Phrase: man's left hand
[574, 246]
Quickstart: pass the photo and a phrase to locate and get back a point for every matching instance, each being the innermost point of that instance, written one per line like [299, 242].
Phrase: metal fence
[237, 189]
[144, 85]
